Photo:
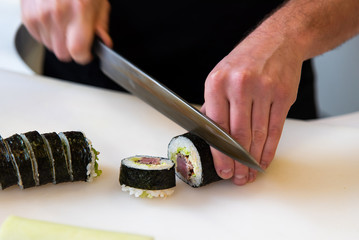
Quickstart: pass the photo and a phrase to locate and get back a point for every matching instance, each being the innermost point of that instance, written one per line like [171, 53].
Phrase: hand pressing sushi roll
[193, 160]
[145, 176]
[34, 159]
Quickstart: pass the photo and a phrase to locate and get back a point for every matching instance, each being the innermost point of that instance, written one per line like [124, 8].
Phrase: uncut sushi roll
[34, 159]
[146, 176]
[193, 160]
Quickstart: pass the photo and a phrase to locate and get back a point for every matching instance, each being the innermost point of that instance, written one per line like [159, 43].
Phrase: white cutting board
[311, 191]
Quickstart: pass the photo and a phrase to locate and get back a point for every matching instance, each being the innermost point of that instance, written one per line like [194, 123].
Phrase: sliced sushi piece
[29, 150]
[147, 176]
[193, 160]
[78, 154]
[41, 157]
[8, 175]
[59, 160]
[19, 151]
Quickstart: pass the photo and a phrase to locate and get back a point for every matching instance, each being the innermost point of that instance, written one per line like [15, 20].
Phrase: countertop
[309, 192]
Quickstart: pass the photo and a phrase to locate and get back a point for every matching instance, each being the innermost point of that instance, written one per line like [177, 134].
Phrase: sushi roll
[77, 148]
[34, 159]
[193, 160]
[146, 176]
[8, 175]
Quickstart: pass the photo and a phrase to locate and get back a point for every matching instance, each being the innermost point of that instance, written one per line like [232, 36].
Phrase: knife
[170, 104]
[149, 90]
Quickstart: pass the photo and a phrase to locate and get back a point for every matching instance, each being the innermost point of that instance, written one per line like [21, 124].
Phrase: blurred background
[337, 74]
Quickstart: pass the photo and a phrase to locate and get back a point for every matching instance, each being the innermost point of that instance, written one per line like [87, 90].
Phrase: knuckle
[58, 12]
[275, 132]
[259, 136]
[214, 82]
[44, 15]
[243, 136]
[286, 94]
[240, 78]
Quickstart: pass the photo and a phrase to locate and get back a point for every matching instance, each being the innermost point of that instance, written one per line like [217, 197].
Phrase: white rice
[19, 182]
[91, 174]
[67, 154]
[185, 146]
[163, 193]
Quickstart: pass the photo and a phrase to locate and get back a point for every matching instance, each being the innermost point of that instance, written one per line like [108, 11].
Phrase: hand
[249, 94]
[67, 27]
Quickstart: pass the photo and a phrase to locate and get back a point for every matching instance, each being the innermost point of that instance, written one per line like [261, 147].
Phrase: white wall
[337, 74]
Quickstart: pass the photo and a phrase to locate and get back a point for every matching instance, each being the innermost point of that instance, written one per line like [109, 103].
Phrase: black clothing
[180, 43]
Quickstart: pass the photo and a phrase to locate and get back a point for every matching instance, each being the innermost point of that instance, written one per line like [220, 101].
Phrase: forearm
[310, 28]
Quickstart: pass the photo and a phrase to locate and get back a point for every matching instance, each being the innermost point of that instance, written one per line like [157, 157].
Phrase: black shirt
[179, 43]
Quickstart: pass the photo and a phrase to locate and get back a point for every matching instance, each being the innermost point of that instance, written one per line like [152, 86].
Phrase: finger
[45, 35]
[29, 19]
[203, 109]
[217, 109]
[34, 31]
[58, 36]
[80, 34]
[277, 118]
[260, 118]
[240, 129]
[102, 26]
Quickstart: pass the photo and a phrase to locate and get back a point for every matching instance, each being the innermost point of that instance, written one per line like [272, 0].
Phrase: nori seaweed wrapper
[44, 163]
[8, 175]
[147, 179]
[22, 158]
[61, 170]
[80, 154]
[209, 174]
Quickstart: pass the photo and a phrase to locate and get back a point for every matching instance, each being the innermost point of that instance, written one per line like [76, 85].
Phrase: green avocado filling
[145, 194]
[183, 150]
[97, 171]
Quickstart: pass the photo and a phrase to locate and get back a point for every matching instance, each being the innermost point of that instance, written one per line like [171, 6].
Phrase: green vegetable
[17, 228]
[145, 195]
[97, 171]
[184, 151]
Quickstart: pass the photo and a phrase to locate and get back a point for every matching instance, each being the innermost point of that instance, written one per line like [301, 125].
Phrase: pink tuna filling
[184, 166]
[151, 161]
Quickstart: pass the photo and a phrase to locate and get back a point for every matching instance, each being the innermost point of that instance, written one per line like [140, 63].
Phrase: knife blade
[135, 81]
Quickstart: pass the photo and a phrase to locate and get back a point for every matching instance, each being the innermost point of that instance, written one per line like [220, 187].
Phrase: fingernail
[264, 165]
[252, 177]
[240, 176]
[226, 173]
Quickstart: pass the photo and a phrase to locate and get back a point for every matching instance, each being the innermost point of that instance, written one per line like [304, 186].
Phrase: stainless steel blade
[171, 105]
